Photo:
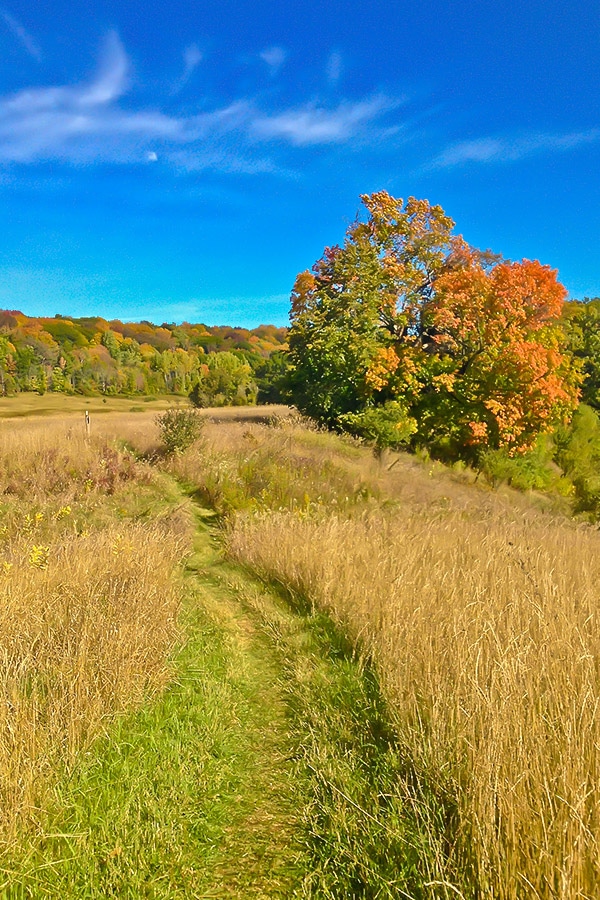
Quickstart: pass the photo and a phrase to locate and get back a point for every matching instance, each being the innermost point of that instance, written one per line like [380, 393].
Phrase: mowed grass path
[192, 796]
[260, 772]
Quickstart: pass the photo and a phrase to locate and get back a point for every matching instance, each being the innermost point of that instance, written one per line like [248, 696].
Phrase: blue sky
[184, 160]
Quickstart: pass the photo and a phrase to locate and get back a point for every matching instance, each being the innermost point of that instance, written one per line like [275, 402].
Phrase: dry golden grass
[39, 461]
[481, 615]
[87, 614]
[244, 465]
[479, 611]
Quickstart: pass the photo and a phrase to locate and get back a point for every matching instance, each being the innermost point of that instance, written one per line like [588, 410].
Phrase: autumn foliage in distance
[220, 365]
[406, 333]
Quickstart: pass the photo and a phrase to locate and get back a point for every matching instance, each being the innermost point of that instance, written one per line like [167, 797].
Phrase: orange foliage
[498, 321]
[467, 341]
[303, 287]
[384, 364]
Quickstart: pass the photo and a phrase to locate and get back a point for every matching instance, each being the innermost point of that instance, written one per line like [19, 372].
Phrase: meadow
[89, 601]
[478, 610]
[475, 610]
[28, 404]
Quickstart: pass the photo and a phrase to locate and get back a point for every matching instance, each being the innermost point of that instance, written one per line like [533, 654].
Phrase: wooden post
[87, 423]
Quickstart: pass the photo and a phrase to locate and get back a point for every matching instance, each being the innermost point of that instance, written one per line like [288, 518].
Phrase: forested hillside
[95, 356]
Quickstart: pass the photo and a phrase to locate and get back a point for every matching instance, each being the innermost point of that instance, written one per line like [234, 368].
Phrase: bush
[179, 428]
[531, 471]
[386, 426]
[578, 453]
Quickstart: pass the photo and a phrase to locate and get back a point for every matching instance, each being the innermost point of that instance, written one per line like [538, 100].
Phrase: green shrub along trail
[265, 769]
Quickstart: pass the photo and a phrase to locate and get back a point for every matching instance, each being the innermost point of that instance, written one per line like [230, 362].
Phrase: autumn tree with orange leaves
[407, 333]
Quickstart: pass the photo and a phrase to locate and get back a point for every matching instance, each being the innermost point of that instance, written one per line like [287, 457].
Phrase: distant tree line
[216, 365]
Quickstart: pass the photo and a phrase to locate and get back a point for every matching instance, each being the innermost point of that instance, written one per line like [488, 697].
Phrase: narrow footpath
[225, 786]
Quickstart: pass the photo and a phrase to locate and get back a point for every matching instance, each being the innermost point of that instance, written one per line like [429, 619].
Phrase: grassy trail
[259, 773]
[192, 796]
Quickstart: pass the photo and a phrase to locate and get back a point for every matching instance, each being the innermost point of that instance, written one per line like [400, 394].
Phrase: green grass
[366, 821]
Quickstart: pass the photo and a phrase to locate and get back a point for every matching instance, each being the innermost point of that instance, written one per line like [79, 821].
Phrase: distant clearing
[29, 404]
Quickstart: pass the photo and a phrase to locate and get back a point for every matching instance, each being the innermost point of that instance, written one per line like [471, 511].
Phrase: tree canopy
[407, 332]
[92, 355]
[582, 325]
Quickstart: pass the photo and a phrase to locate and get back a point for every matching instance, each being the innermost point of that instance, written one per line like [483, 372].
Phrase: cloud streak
[192, 57]
[75, 122]
[274, 57]
[506, 150]
[22, 35]
[310, 125]
[335, 67]
[89, 122]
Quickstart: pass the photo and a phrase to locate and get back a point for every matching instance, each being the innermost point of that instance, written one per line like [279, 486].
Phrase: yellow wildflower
[39, 556]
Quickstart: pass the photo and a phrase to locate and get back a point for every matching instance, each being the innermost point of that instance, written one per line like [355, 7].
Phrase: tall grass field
[89, 602]
[475, 609]
[480, 614]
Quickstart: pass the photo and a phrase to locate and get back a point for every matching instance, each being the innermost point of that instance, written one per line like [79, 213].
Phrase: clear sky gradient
[184, 160]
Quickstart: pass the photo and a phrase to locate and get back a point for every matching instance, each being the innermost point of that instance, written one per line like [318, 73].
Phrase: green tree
[111, 341]
[407, 330]
[59, 383]
[578, 454]
[582, 326]
[224, 380]
[42, 382]
[26, 362]
[271, 376]
[6, 365]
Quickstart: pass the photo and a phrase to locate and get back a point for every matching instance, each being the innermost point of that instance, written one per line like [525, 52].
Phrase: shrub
[531, 471]
[179, 428]
[389, 425]
[578, 453]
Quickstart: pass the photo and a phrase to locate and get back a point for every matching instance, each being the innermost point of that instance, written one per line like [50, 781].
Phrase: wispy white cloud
[22, 35]
[502, 150]
[224, 155]
[274, 57]
[111, 81]
[109, 84]
[318, 125]
[90, 122]
[192, 57]
[78, 121]
[335, 65]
